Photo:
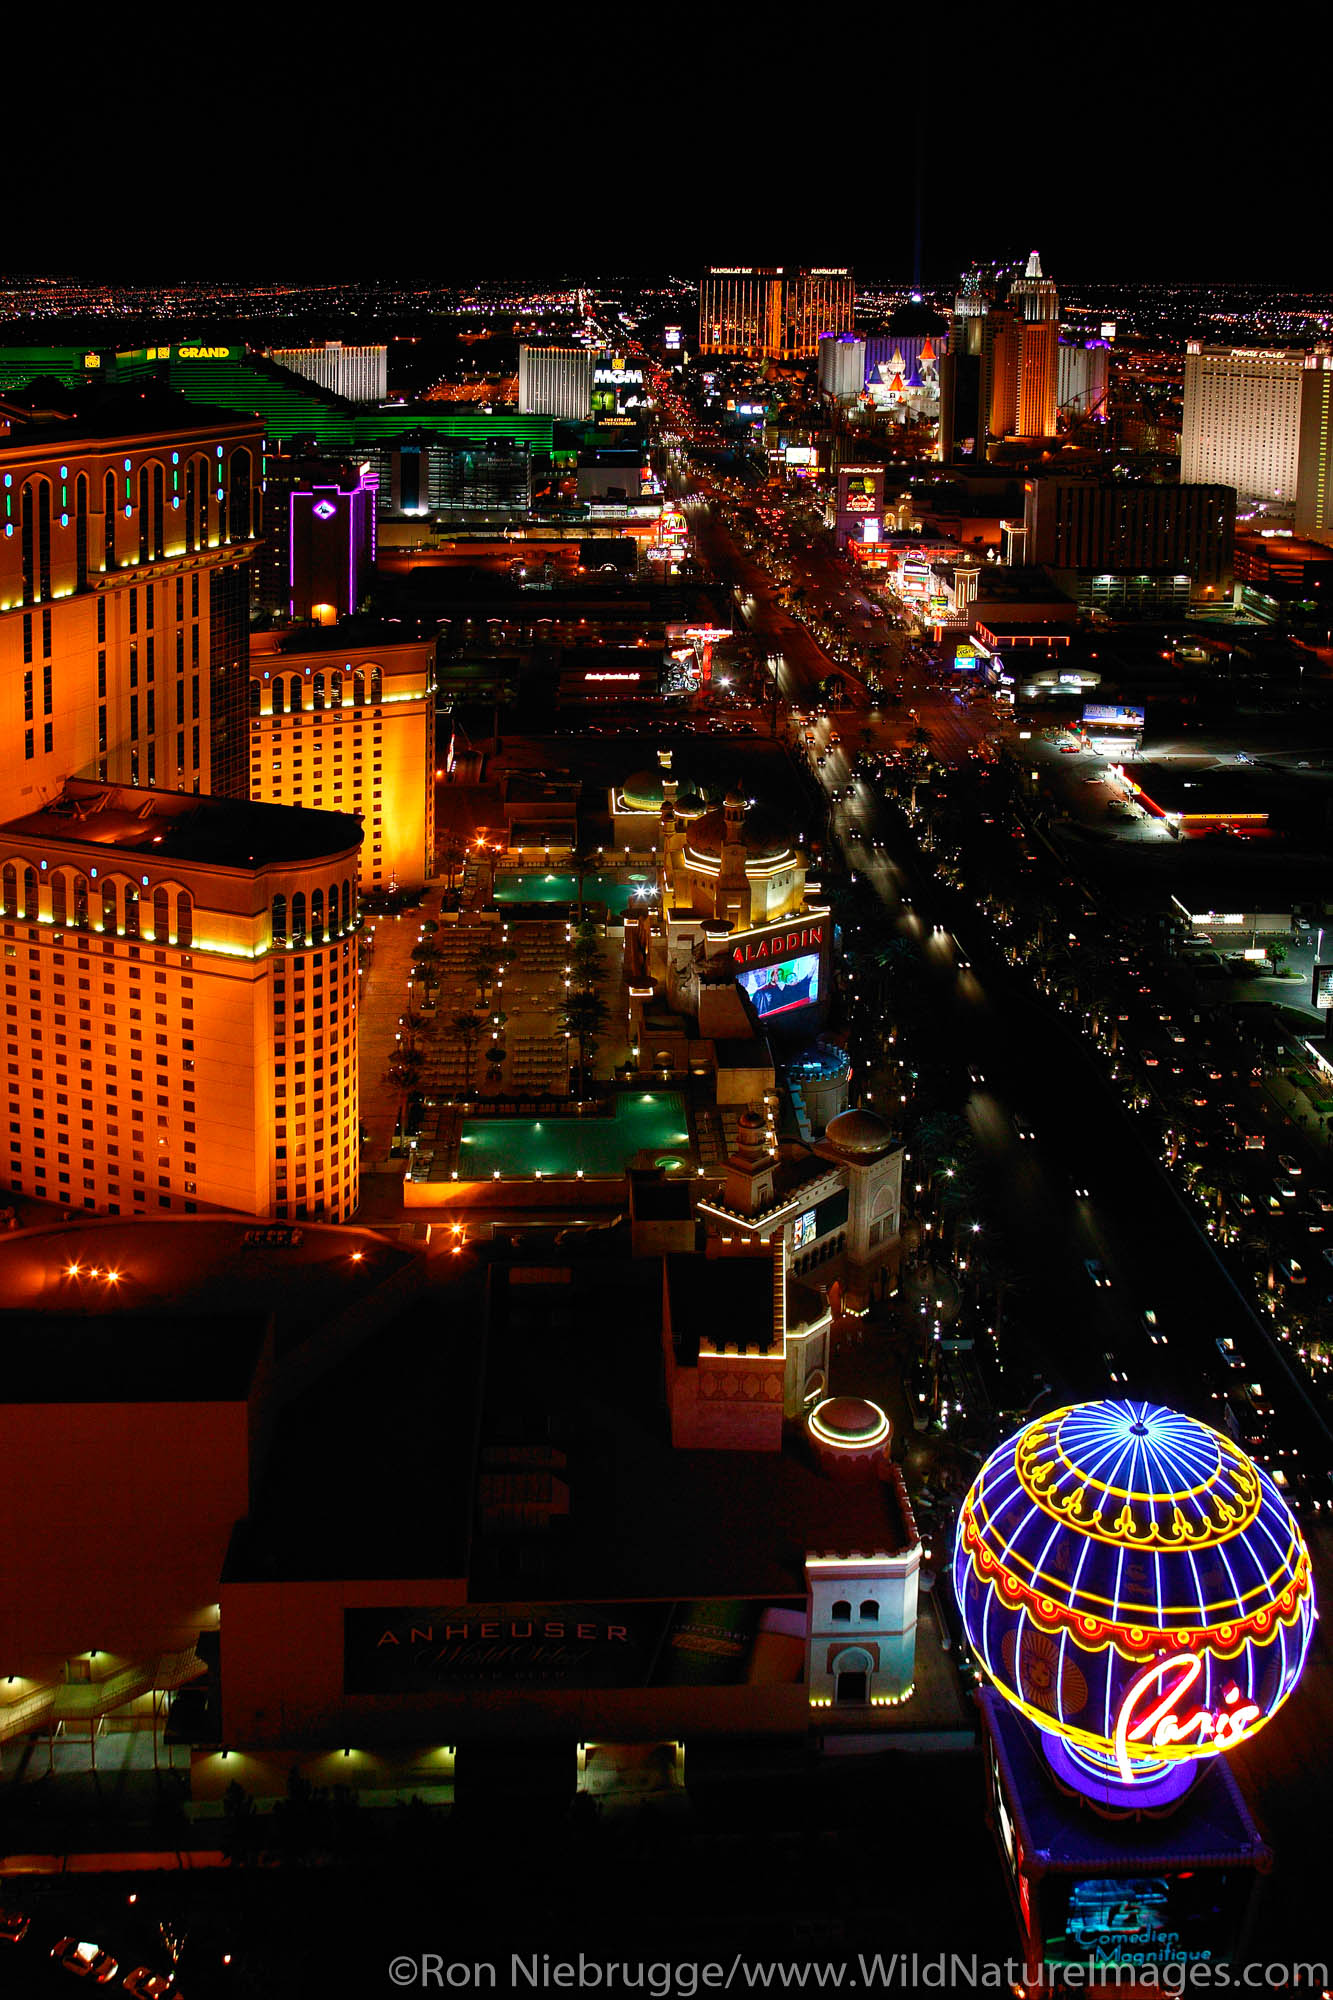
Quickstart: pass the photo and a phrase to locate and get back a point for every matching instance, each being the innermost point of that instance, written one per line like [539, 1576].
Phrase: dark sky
[1167, 143]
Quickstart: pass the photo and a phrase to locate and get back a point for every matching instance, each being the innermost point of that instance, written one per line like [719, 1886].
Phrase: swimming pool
[611, 890]
[651, 1121]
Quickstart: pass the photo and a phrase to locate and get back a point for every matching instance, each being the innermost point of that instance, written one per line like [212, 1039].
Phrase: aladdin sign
[777, 944]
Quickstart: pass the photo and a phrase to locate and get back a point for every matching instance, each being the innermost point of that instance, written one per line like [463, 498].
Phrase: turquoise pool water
[644, 1121]
[557, 888]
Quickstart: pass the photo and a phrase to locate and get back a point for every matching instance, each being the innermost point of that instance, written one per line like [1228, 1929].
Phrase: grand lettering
[1151, 1713]
[468, 1629]
[778, 945]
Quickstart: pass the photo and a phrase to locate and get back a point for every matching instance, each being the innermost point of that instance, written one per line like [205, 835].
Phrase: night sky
[659, 141]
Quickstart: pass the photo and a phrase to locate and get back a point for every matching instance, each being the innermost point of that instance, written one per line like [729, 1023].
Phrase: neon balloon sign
[1165, 1726]
[1136, 1586]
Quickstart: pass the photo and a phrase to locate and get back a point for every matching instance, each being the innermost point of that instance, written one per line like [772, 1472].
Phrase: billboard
[781, 987]
[1144, 1921]
[709, 1642]
[1099, 715]
[860, 490]
[1321, 994]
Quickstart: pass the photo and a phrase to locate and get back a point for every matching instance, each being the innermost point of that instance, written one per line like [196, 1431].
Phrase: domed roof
[763, 834]
[643, 792]
[861, 1134]
[1111, 1542]
[851, 1420]
[912, 318]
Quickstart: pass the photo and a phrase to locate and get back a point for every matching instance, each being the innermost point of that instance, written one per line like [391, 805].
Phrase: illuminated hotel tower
[125, 597]
[352, 729]
[1020, 359]
[773, 314]
[1242, 423]
[181, 1003]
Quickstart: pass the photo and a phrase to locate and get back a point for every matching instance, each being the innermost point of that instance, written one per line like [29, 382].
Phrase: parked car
[87, 1960]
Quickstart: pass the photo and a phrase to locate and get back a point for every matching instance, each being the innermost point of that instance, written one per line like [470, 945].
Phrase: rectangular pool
[651, 1121]
[557, 888]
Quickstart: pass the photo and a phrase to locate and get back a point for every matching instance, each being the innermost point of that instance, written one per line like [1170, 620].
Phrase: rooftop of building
[349, 636]
[185, 1315]
[45, 411]
[180, 826]
[1018, 583]
[566, 1377]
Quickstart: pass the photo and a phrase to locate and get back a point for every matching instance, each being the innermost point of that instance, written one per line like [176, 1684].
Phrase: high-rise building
[1314, 480]
[186, 971]
[555, 382]
[357, 374]
[772, 313]
[129, 525]
[352, 730]
[1038, 342]
[1083, 378]
[1019, 359]
[1033, 296]
[842, 366]
[961, 409]
[1104, 529]
[1242, 422]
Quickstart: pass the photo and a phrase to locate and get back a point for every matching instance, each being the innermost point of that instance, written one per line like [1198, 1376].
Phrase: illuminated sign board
[1321, 992]
[803, 1230]
[203, 354]
[801, 454]
[760, 949]
[1141, 1922]
[965, 659]
[783, 985]
[1098, 715]
[671, 337]
[613, 677]
[1074, 1536]
[711, 1642]
[860, 490]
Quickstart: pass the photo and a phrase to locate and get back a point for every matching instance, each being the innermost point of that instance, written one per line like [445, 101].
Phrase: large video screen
[781, 988]
[1144, 1920]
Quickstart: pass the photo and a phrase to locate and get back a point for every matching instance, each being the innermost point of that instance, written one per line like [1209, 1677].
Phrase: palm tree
[467, 1029]
[584, 1017]
[453, 853]
[405, 1072]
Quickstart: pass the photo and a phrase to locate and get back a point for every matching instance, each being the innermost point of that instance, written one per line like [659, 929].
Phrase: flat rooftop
[222, 833]
[185, 1315]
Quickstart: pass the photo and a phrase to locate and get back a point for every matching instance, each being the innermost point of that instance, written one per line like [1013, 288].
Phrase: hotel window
[27, 697]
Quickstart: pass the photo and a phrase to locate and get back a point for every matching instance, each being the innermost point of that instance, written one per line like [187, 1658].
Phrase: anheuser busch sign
[777, 944]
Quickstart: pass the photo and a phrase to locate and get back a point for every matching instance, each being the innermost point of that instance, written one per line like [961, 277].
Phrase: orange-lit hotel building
[352, 730]
[180, 1004]
[180, 964]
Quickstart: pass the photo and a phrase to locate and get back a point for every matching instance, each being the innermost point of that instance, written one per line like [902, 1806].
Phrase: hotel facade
[181, 1004]
[352, 731]
[124, 600]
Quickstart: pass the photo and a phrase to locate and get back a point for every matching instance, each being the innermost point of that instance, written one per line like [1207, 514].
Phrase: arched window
[256, 688]
[296, 693]
[335, 689]
[279, 920]
[202, 476]
[842, 1612]
[43, 540]
[9, 889]
[376, 686]
[161, 915]
[870, 1609]
[298, 918]
[239, 495]
[27, 535]
[184, 919]
[30, 893]
[81, 530]
[80, 901]
[108, 904]
[359, 688]
[189, 503]
[145, 518]
[317, 916]
[333, 909]
[279, 695]
[131, 910]
[59, 915]
[347, 904]
[159, 511]
[317, 692]
[109, 521]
